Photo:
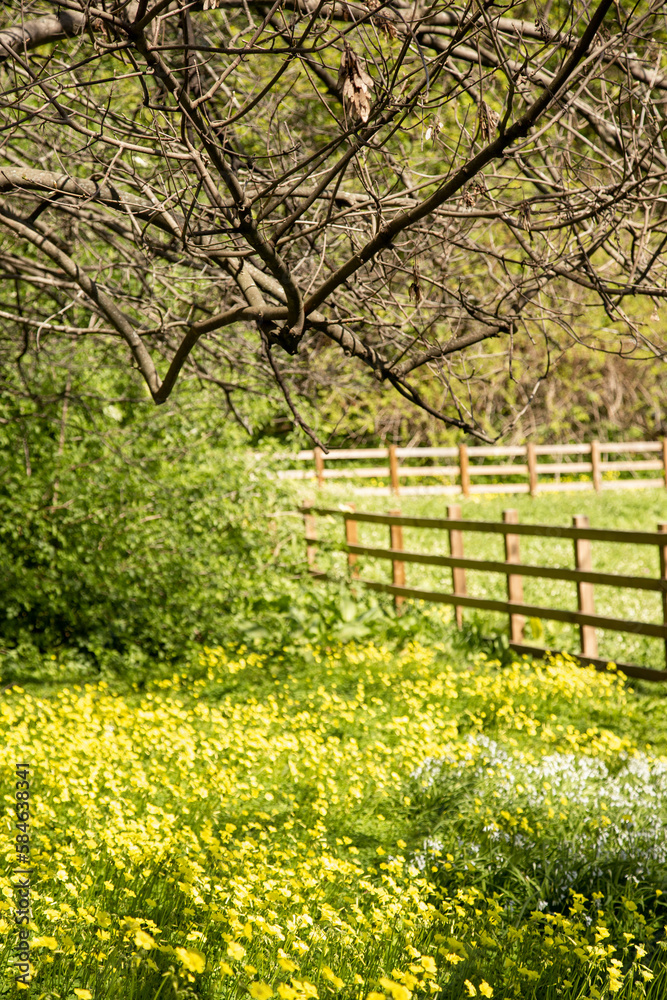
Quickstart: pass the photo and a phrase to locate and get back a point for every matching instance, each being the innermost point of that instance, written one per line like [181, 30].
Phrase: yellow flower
[485, 989]
[615, 980]
[306, 988]
[472, 990]
[226, 969]
[332, 977]
[286, 963]
[376, 996]
[235, 950]
[144, 940]
[44, 942]
[192, 959]
[286, 992]
[260, 991]
[429, 964]
[397, 991]
[83, 994]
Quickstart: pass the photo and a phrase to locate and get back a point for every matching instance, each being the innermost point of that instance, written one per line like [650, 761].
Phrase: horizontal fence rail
[468, 463]
[512, 568]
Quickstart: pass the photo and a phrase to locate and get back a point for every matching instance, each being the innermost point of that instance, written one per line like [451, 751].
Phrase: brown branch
[453, 346]
[104, 303]
[492, 151]
[28, 179]
[41, 31]
[288, 396]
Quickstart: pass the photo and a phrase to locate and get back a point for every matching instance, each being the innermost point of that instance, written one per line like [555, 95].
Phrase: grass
[363, 824]
[636, 510]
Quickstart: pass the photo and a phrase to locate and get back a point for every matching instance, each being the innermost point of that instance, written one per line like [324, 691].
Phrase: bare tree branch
[199, 185]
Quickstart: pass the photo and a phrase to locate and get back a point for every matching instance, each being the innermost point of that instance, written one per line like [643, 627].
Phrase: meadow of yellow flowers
[367, 823]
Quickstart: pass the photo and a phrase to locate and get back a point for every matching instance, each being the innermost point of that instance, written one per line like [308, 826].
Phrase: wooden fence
[589, 463]
[512, 568]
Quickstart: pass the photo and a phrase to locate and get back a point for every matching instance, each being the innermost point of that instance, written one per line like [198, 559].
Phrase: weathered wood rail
[589, 460]
[512, 568]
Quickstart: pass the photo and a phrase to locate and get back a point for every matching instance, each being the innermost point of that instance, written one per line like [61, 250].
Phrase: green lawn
[633, 510]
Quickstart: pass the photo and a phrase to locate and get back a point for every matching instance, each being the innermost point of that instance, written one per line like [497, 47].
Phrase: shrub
[126, 532]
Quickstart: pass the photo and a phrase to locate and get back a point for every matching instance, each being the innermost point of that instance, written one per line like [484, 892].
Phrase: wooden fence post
[464, 470]
[664, 459]
[351, 539]
[531, 459]
[456, 550]
[397, 567]
[595, 462]
[514, 581]
[311, 536]
[319, 465]
[586, 599]
[662, 528]
[393, 470]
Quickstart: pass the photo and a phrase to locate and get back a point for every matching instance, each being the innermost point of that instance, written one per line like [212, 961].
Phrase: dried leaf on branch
[354, 85]
[488, 120]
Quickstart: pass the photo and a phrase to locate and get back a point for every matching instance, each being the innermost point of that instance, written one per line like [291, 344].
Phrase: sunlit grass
[639, 510]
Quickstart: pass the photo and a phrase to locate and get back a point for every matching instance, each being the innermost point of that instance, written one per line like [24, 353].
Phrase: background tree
[243, 192]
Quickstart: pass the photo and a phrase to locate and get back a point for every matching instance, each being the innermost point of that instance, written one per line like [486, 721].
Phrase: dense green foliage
[126, 532]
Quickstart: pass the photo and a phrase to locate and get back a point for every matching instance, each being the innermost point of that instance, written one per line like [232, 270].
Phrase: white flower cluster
[631, 786]
[598, 819]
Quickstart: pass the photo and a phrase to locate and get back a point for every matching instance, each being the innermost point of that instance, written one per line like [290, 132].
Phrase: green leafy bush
[126, 532]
